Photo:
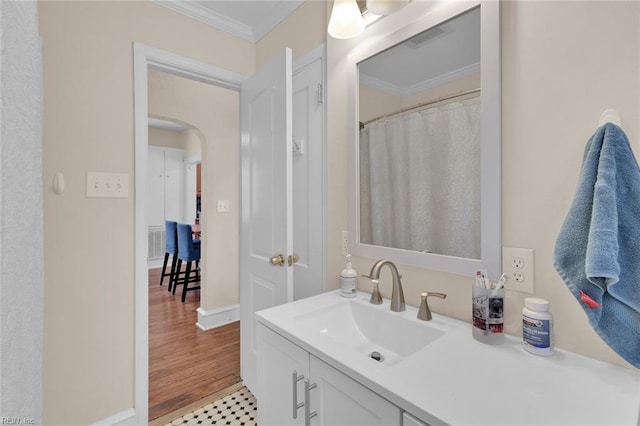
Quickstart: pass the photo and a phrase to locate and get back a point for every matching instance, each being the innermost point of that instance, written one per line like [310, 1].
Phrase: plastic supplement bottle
[537, 327]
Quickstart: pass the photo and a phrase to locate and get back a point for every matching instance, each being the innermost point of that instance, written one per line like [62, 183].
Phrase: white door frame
[146, 58]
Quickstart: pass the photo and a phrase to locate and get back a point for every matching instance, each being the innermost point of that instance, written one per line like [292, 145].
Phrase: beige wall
[193, 145]
[89, 243]
[166, 138]
[563, 64]
[214, 112]
[303, 30]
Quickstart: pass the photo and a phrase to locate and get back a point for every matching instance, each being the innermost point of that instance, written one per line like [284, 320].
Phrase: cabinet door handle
[308, 415]
[294, 383]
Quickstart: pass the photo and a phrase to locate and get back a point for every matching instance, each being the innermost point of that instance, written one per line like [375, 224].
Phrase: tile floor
[237, 409]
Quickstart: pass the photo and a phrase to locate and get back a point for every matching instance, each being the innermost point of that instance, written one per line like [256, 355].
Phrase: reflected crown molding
[423, 85]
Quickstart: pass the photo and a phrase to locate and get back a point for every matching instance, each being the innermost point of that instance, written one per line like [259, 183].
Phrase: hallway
[186, 364]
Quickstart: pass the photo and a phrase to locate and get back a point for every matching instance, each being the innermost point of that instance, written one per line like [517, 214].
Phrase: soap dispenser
[348, 278]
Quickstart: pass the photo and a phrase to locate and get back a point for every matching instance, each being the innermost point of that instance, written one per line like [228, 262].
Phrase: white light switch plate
[107, 185]
[223, 206]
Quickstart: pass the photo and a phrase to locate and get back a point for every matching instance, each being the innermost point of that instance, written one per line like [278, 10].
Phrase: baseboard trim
[155, 263]
[208, 320]
[126, 417]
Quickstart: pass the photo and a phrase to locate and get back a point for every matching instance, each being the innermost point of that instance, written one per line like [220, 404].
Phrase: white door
[308, 165]
[266, 227]
[174, 184]
[155, 187]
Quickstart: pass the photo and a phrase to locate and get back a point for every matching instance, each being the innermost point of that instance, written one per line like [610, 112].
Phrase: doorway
[310, 139]
[145, 59]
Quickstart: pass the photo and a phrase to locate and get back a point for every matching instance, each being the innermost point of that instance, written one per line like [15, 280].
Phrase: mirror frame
[378, 38]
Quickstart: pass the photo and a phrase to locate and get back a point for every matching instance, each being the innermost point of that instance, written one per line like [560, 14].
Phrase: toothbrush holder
[488, 315]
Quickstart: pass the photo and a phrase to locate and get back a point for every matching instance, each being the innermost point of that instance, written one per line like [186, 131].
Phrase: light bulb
[385, 7]
[346, 20]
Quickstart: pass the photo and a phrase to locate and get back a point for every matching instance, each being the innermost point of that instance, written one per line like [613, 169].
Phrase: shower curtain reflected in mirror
[420, 180]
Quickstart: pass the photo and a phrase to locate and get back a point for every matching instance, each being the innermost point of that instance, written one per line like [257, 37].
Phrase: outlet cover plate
[519, 267]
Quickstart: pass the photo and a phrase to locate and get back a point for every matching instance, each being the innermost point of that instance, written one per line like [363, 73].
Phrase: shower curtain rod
[435, 101]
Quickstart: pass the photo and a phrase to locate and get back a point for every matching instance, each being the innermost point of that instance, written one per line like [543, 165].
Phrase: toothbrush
[479, 279]
[484, 274]
[501, 282]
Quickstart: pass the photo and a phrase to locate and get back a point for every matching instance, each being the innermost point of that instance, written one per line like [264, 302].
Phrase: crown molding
[421, 86]
[270, 21]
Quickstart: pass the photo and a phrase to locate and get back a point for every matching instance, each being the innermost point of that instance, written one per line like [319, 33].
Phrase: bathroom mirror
[425, 143]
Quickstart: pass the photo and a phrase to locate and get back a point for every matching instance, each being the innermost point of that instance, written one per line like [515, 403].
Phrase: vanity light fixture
[346, 20]
[385, 7]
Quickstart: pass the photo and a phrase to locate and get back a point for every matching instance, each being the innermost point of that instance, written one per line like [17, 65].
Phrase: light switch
[223, 206]
[107, 185]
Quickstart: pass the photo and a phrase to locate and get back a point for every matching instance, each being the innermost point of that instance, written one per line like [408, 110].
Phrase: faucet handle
[424, 313]
[434, 294]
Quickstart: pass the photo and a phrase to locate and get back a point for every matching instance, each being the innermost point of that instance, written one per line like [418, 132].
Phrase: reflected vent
[427, 36]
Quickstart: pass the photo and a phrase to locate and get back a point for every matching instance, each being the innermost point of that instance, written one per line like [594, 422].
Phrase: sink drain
[376, 355]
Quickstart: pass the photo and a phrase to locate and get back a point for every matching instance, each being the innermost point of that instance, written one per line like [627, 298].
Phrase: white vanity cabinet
[278, 360]
[409, 420]
[325, 395]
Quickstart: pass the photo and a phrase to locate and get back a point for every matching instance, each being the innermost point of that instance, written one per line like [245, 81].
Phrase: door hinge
[320, 95]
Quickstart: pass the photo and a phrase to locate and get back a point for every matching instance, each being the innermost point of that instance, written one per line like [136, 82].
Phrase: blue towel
[597, 253]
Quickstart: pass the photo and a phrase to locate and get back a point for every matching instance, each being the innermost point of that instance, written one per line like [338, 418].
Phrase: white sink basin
[367, 328]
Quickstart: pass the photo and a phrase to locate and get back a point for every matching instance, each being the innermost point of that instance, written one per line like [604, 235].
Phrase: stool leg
[164, 269]
[186, 282]
[174, 263]
[176, 280]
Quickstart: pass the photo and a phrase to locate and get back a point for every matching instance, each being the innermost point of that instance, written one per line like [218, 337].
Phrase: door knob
[277, 260]
[293, 258]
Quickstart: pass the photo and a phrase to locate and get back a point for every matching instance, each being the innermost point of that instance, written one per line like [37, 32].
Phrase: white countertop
[456, 380]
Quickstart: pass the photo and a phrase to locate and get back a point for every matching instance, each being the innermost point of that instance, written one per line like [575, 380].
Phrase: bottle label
[536, 332]
[348, 286]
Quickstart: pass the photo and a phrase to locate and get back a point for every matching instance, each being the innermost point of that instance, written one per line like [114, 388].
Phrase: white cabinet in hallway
[166, 185]
[294, 386]
[166, 194]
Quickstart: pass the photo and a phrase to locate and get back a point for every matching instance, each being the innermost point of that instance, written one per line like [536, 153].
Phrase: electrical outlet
[518, 276]
[345, 243]
[519, 267]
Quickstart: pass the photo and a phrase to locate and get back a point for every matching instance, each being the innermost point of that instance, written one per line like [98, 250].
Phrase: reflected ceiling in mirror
[419, 142]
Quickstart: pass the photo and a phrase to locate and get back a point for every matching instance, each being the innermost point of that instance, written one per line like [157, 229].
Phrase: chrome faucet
[397, 295]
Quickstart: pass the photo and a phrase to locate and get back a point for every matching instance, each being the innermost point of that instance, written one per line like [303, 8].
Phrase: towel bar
[610, 116]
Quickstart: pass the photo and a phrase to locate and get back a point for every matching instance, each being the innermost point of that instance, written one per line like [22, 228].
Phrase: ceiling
[443, 53]
[247, 19]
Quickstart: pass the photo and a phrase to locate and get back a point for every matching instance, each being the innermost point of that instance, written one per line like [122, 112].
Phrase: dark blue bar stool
[189, 252]
[170, 249]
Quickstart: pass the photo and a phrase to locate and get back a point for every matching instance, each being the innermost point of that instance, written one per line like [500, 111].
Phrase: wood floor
[186, 364]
